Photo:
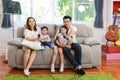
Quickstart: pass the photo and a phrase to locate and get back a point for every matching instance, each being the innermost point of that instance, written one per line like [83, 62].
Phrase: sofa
[91, 49]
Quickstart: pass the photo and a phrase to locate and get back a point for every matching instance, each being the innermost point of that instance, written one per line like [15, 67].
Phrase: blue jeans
[49, 44]
[74, 60]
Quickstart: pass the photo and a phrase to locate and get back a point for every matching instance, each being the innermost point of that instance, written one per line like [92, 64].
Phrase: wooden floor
[108, 66]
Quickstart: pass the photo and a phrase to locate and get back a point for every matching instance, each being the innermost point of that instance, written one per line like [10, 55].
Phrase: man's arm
[72, 33]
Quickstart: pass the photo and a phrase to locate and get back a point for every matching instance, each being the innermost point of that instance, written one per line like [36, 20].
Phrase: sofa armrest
[91, 41]
[16, 42]
[96, 54]
[12, 51]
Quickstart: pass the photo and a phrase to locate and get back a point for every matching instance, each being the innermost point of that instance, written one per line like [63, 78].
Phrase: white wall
[5, 34]
[107, 17]
[0, 11]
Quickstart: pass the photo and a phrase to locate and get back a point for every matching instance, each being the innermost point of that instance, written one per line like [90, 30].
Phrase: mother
[31, 33]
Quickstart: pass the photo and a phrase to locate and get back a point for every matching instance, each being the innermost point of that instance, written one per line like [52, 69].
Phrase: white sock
[52, 68]
[26, 72]
[78, 67]
[62, 67]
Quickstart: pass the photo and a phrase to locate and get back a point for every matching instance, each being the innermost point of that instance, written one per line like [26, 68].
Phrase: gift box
[110, 49]
[111, 56]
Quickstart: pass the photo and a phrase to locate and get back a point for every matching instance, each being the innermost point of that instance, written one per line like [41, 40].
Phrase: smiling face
[67, 22]
[44, 31]
[31, 23]
[63, 31]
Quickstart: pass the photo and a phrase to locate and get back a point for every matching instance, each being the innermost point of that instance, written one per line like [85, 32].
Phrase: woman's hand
[37, 40]
[32, 39]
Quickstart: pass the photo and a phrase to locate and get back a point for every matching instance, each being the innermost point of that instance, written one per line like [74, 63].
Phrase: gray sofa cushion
[86, 54]
[82, 30]
[57, 27]
[80, 40]
[92, 41]
[51, 29]
[38, 60]
[90, 31]
[20, 32]
[16, 42]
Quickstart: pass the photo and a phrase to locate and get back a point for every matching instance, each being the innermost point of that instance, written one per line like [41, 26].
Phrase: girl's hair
[28, 26]
[63, 26]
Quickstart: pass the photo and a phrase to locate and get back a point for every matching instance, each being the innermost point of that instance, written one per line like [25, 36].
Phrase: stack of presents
[111, 51]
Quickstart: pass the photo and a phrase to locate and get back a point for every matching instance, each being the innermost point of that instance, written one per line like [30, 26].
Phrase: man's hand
[68, 46]
[72, 33]
[70, 39]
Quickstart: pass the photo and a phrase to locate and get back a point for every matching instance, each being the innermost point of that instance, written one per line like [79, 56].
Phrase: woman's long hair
[28, 26]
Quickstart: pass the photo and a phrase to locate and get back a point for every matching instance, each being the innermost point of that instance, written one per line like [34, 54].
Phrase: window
[53, 10]
[83, 10]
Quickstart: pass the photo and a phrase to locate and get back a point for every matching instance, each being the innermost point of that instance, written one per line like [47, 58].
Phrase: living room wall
[6, 34]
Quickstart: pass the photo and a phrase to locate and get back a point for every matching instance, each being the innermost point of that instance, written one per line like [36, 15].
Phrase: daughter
[60, 42]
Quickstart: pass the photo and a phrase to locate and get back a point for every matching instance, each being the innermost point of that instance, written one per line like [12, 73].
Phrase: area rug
[60, 77]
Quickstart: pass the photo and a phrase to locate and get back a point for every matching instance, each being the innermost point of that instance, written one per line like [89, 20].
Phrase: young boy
[45, 38]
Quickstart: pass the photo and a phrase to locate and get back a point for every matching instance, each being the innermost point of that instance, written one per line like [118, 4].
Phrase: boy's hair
[67, 17]
[63, 26]
[44, 27]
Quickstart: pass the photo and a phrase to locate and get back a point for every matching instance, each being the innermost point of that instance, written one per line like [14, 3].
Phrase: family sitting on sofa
[64, 41]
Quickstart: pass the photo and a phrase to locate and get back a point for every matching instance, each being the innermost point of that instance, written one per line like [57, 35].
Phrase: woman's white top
[33, 34]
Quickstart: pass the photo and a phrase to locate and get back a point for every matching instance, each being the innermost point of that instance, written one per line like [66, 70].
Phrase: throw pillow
[15, 42]
[92, 41]
[32, 45]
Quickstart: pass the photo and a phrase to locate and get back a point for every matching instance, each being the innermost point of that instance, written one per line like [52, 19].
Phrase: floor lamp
[11, 8]
[15, 9]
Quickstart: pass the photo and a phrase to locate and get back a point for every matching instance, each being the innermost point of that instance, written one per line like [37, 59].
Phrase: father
[74, 60]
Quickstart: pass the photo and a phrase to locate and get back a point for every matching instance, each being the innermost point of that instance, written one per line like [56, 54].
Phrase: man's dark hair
[67, 17]
[44, 27]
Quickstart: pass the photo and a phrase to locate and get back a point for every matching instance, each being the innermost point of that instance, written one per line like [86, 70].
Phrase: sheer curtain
[42, 10]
